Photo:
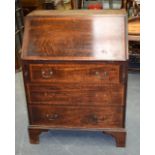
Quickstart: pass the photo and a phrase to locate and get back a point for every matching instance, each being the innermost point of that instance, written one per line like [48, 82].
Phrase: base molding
[118, 134]
[34, 134]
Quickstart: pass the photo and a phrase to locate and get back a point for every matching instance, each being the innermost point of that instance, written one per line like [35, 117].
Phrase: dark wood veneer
[76, 94]
[75, 71]
[79, 73]
[79, 117]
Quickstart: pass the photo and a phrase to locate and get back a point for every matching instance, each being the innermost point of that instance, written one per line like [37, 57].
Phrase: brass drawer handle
[95, 119]
[49, 94]
[105, 74]
[52, 117]
[102, 75]
[92, 119]
[46, 74]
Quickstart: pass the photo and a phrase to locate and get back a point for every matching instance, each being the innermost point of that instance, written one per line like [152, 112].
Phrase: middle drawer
[76, 94]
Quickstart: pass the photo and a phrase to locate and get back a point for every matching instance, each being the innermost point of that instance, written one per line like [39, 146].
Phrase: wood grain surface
[75, 71]
[76, 116]
[86, 35]
[76, 94]
[83, 73]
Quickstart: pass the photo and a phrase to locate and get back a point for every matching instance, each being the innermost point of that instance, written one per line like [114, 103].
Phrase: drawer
[78, 117]
[76, 94]
[84, 73]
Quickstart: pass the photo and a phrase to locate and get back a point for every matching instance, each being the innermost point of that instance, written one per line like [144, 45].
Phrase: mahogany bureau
[75, 71]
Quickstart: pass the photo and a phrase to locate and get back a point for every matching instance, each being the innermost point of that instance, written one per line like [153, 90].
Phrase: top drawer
[87, 73]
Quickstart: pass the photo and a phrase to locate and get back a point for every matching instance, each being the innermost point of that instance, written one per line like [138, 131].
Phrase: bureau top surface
[75, 35]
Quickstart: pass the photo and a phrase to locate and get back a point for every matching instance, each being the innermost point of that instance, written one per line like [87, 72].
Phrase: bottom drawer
[78, 117]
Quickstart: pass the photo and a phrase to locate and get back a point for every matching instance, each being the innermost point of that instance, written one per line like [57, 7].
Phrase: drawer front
[84, 73]
[76, 94]
[79, 117]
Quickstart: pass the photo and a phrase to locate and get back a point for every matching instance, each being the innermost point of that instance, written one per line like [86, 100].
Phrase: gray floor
[79, 142]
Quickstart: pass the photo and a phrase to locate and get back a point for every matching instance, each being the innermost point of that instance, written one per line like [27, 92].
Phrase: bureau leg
[120, 137]
[34, 135]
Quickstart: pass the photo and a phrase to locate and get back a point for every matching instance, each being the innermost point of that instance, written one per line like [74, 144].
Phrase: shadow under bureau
[75, 71]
